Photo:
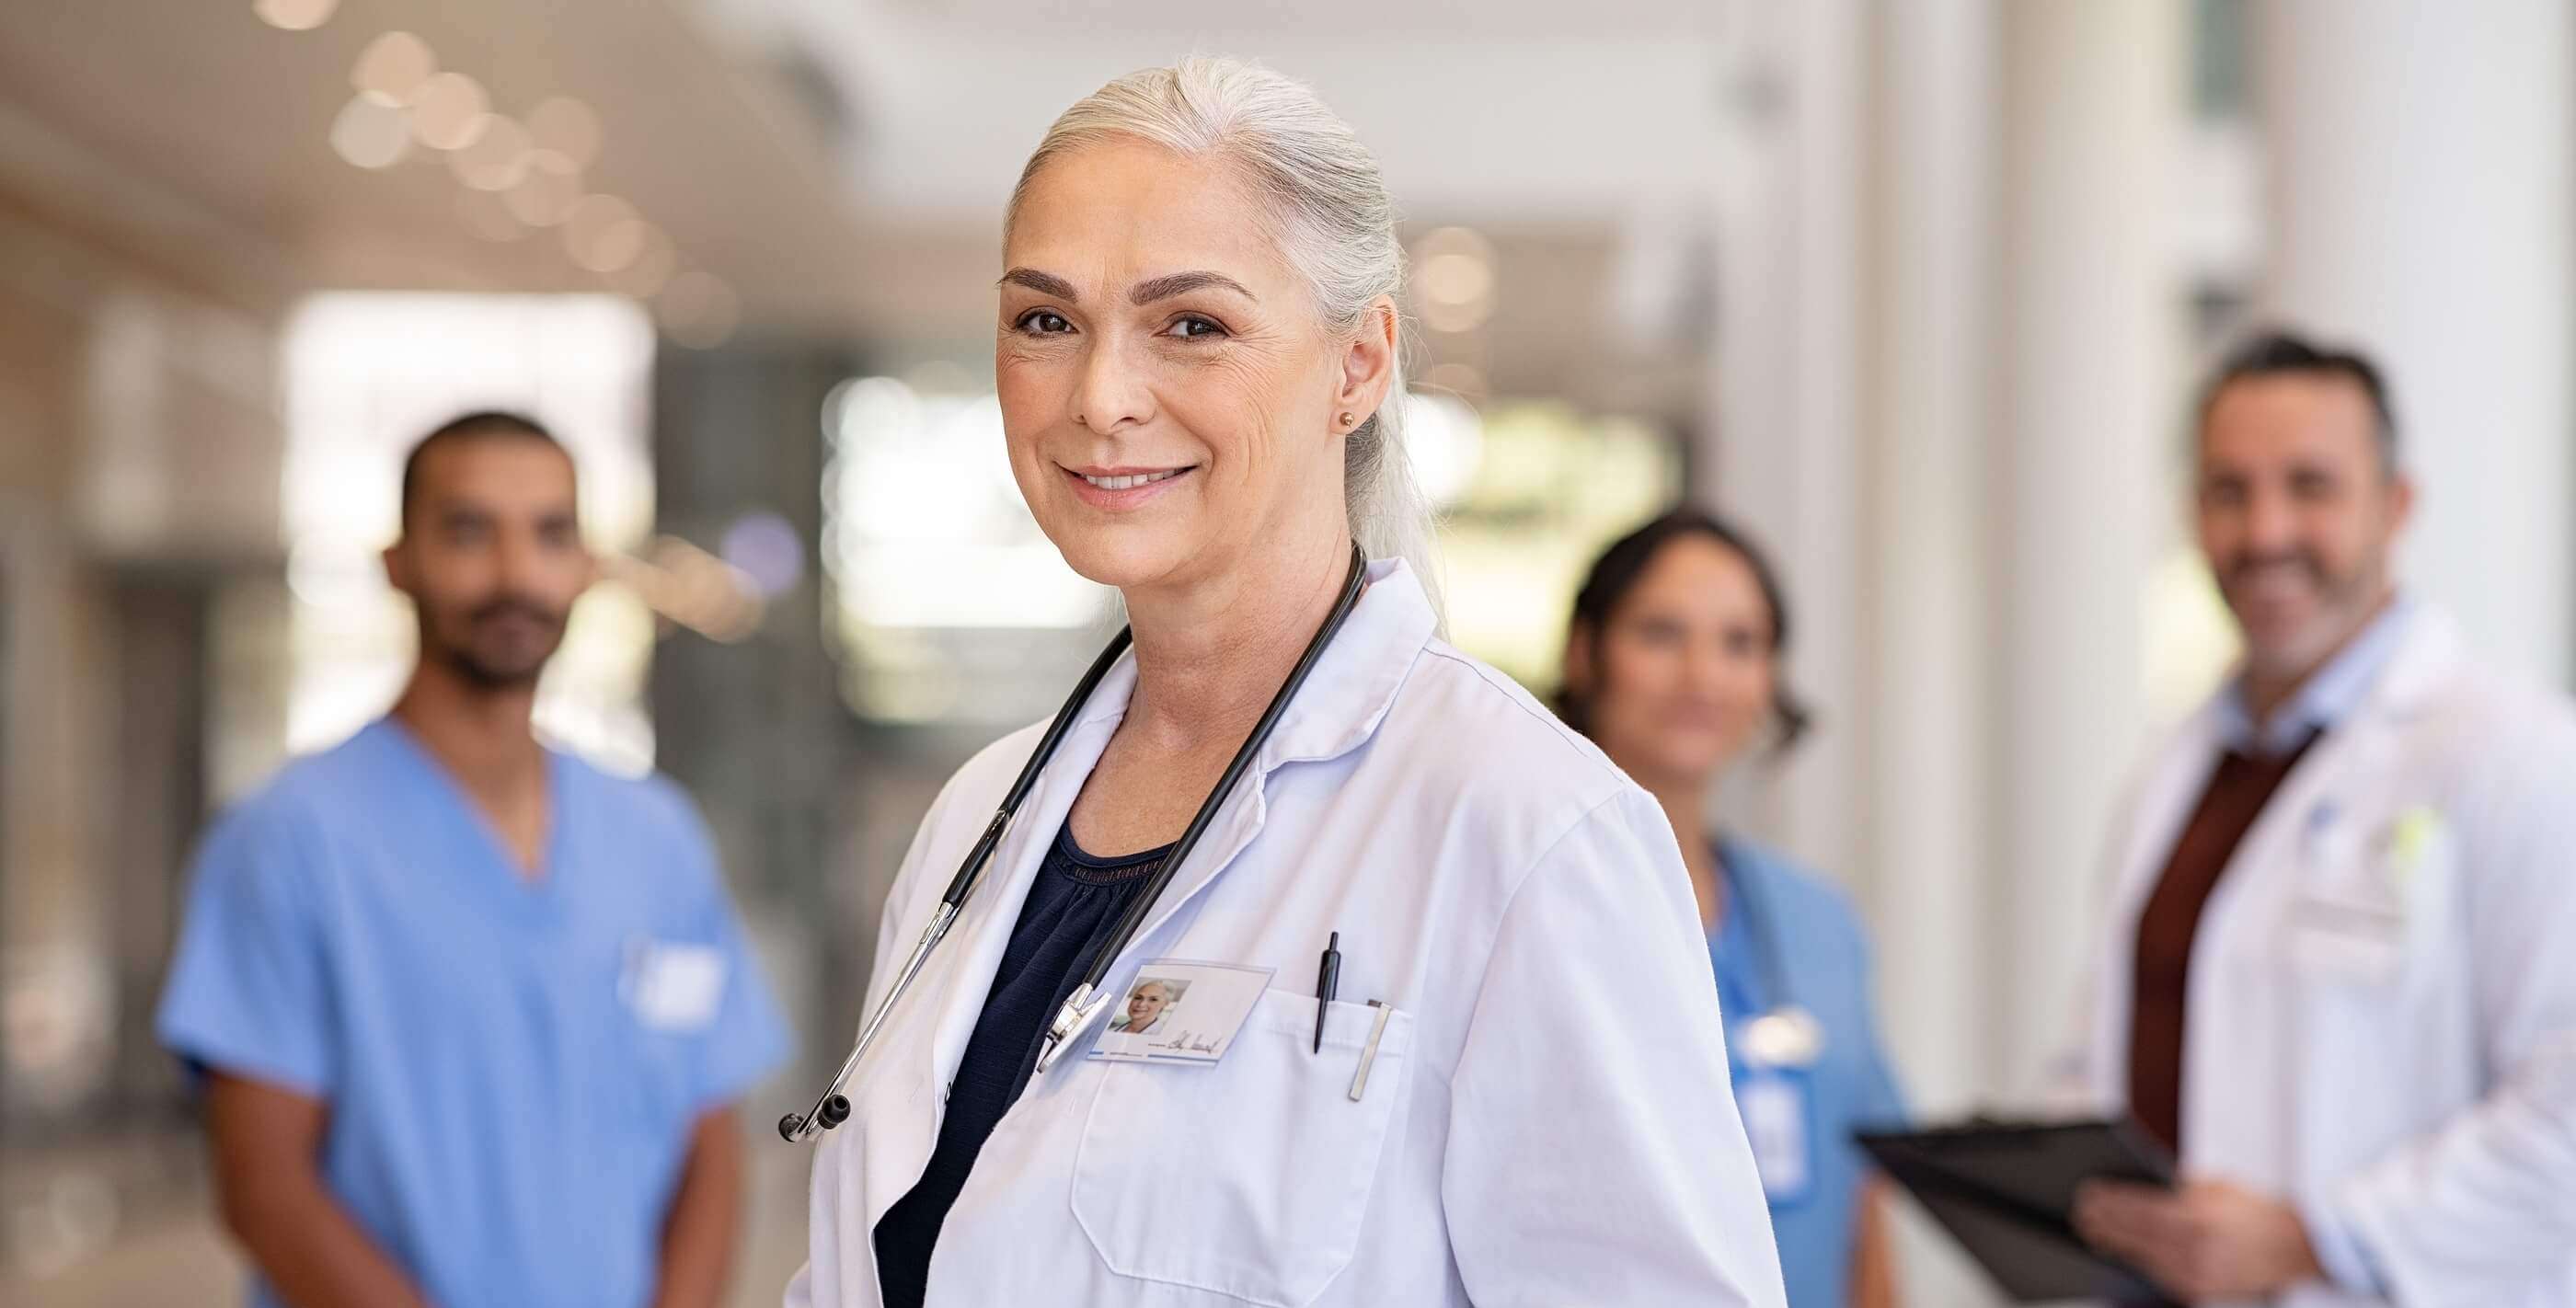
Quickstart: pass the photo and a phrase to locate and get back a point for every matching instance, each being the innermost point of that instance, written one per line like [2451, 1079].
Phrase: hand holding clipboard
[2006, 1193]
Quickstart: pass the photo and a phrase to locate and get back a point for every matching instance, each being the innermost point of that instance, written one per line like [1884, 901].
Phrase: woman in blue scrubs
[1672, 665]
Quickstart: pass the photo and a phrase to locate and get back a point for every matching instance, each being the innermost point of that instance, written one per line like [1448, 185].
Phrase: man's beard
[488, 674]
[2337, 595]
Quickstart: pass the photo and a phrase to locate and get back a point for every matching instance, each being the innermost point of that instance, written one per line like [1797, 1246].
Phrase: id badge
[1181, 1011]
[673, 987]
[1778, 1107]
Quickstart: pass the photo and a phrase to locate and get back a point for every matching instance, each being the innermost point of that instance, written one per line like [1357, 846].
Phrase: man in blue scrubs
[472, 1015]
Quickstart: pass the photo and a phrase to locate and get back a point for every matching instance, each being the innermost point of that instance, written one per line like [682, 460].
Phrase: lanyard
[831, 1108]
[1782, 1033]
[1762, 932]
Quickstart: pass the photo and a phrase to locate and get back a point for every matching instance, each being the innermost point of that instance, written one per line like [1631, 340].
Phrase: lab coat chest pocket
[1250, 1178]
[2372, 899]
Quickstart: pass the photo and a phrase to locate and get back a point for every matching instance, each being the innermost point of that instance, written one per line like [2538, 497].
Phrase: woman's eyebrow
[1043, 283]
[1182, 283]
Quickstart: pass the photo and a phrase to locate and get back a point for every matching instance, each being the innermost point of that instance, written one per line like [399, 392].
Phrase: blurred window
[937, 569]
[1550, 487]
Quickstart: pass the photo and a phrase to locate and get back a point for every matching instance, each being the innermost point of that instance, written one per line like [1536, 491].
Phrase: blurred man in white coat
[2340, 974]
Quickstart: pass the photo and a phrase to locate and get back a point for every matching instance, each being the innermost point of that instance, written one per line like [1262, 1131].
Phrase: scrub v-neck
[502, 869]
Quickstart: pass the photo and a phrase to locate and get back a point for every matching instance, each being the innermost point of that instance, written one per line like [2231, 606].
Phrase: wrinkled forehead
[1108, 215]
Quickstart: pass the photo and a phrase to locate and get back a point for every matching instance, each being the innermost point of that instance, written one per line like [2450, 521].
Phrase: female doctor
[1512, 1089]
[1672, 663]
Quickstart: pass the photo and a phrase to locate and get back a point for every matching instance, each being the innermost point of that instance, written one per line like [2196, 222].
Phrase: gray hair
[1328, 210]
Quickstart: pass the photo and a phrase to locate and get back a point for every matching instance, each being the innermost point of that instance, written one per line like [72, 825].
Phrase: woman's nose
[1111, 392]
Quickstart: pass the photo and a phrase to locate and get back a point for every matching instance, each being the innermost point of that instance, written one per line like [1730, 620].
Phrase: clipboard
[2006, 1193]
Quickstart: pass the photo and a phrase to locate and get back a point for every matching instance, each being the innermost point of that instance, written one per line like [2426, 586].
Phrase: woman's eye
[1043, 322]
[1192, 327]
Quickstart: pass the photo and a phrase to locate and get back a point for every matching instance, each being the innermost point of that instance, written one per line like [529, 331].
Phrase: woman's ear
[1368, 362]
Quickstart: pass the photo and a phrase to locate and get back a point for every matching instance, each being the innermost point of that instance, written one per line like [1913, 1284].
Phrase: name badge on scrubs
[1177, 1011]
[671, 986]
[1775, 1095]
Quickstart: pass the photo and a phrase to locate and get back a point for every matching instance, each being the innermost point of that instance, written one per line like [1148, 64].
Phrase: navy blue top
[1065, 921]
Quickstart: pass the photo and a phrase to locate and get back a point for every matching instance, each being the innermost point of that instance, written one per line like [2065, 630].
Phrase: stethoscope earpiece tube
[832, 1108]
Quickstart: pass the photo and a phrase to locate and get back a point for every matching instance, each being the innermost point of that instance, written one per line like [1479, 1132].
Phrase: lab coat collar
[2327, 700]
[2391, 672]
[1353, 685]
[2428, 657]
[1344, 699]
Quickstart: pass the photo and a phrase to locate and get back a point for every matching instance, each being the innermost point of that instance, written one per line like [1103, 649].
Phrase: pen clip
[1368, 1056]
[1328, 982]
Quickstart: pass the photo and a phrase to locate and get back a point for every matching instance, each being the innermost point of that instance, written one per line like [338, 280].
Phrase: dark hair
[2279, 352]
[479, 425]
[1615, 573]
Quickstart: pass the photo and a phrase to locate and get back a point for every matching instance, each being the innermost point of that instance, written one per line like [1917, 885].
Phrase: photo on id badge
[1181, 1012]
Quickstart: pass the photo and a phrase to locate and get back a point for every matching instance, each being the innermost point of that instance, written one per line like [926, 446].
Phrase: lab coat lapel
[1236, 823]
[1339, 708]
[2312, 828]
[2337, 787]
[953, 986]
[2165, 799]
[2236, 1033]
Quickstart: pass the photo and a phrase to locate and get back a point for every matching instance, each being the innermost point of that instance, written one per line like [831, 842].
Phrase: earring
[1346, 419]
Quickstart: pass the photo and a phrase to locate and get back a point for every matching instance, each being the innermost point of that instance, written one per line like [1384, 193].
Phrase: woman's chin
[1119, 557]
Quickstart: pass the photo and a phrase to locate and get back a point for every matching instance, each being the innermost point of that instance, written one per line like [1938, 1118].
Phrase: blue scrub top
[1785, 935]
[513, 1066]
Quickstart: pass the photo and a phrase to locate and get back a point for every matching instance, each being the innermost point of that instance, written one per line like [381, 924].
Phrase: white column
[1930, 407]
[2419, 172]
[1789, 354]
[1926, 883]
[2092, 124]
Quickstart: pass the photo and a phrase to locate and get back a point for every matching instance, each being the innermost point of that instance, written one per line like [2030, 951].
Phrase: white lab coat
[1548, 1119]
[2382, 1003]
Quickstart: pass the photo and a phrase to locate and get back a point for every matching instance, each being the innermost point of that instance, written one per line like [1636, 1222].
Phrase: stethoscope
[1785, 1035]
[832, 1108]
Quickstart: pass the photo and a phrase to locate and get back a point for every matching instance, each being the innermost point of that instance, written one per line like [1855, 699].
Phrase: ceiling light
[651, 269]
[617, 247]
[295, 15]
[447, 112]
[543, 197]
[1457, 279]
[567, 127]
[393, 68]
[587, 227]
[369, 134]
[497, 158]
[1453, 279]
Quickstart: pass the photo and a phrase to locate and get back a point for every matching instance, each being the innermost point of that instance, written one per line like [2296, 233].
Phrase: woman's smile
[1122, 488]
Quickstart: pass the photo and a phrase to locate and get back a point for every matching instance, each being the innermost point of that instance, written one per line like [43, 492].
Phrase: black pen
[1328, 978]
